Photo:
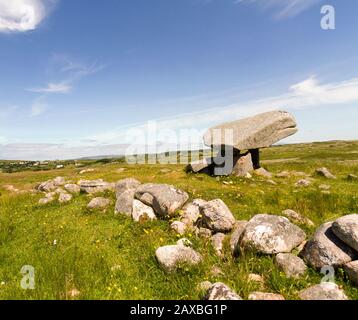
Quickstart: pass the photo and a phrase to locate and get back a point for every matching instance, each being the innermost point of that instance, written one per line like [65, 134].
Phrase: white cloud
[283, 8]
[53, 88]
[23, 15]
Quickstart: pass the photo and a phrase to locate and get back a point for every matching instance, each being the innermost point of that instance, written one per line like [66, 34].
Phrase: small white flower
[54, 242]
[3, 283]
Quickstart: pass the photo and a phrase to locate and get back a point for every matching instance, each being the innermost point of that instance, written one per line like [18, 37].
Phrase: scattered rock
[256, 132]
[352, 177]
[323, 291]
[283, 174]
[59, 181]
[199, 165]
[216, 271]
[171, 257]
[217, 243]
[142, 213]
[239, 228]
[263, 173]
[303, 183]
[86, 171]
[191, 212]
[164, 199]
[124, 202]
[179, 227]
[95, 186]
[220, 291]
[346, 229]
[120, 170]
[297, 217]
[98, 203]
[351, 268]
[46, 186]
[125, 185]
[292, 266]
[265, 296]
[204, 233]
[274, 183]
[324, 187]
[72, 188]
[217, 216]
[326, 249]
[324, 172]
[269, 234]
[46, 200]
[64, 197]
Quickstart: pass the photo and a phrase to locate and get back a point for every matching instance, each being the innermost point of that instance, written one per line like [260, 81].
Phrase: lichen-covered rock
[326, 249]
[220, 291]
[172, 257]
[124, 202]
[191, 212]
[216, 216]
[126, 184]
[178, 227]
[64, 197]
[95, 186]
[269, 234]
[346, 229]
[142, 213]
[323, 291]
[163, 198]
[297, 217]
[291, 265]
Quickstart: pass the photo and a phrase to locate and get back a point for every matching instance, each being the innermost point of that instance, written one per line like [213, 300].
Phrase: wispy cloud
[282, 8]
[39, 106]
[53, 88]
[23, 15]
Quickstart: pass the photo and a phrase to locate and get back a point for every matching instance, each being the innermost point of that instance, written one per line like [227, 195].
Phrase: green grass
[104, 256]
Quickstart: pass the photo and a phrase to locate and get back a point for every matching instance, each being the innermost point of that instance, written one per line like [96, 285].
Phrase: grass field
[104, 256]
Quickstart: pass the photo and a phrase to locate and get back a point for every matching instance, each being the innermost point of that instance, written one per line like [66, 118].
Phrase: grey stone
[164, 199]
[179, 227]
[297, 217]
[323, 291]
[191, 212]
[220, 291]
[46, 186]
[269, 234]
[72, 188]
[199, 165]
[239, 228]
[263, 173]
[172, 257]
[326, 249]
[352, 177]
[99, 203]
[351, 268]
[303, 183]
[265, 296]
[260, 131]
[204, 233]
[324, 172]
[124, 202]
[64, 197]
[204, 286]
[95, 186]
[242, 165]
[126, 184]
[142, 213]
[59, 181]
[346, 229]
[217, 216]
[291, 265]
[217, 241]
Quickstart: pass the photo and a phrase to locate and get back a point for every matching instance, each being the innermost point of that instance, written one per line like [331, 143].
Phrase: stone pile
[251, 134]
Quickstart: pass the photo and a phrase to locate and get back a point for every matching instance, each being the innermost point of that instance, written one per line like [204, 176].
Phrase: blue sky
[77, 75]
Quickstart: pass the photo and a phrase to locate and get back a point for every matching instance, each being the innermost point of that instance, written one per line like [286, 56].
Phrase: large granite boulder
[269, 234]
[163, 198]
[326, 249]
[260, 131]
[346, 229]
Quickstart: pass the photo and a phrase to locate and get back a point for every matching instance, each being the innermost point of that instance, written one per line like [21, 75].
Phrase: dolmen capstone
[238, 143]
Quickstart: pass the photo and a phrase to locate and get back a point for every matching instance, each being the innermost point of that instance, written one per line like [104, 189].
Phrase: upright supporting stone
[255, 155]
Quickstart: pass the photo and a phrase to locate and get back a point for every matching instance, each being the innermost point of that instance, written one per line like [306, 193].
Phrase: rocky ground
[115, 231]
